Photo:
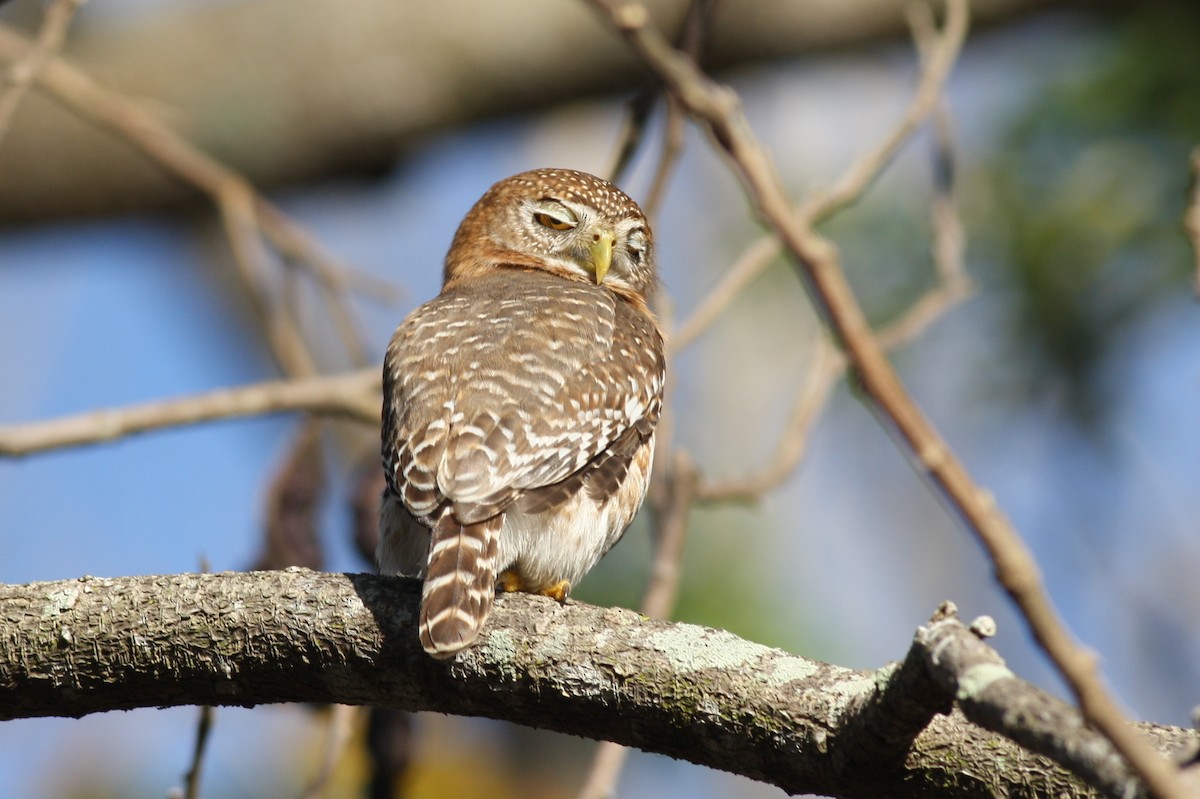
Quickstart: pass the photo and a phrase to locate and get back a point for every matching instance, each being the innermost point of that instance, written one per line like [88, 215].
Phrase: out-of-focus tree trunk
[291, 91]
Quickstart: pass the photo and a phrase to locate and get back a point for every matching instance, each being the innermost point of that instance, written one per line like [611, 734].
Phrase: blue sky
[854, 552]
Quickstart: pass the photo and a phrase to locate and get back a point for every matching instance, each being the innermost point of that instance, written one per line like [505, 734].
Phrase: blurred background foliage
[1064, 385]
[1084, 201]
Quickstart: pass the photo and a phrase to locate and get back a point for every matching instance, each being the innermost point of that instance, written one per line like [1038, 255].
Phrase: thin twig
[953, 287]
[337, 736]
[235, 200]
[862, 173]
[20, 75]
[191, 780]
[244, 213]
[1191, 217]
[749, 265]
[354, 395]
[691, 42]
[658, 602]
[662, 589]
[633, 132]
[668, 159]
[817, 261]
[826, 365]
[336, 277]
[845, 190]
[949, 236]
[637, 120]
[671, 525]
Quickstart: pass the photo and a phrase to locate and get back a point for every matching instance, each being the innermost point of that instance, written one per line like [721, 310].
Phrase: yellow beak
[601, 255]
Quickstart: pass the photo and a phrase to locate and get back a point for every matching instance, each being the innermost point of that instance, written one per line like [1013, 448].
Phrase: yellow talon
[510, 581]
[558, 591]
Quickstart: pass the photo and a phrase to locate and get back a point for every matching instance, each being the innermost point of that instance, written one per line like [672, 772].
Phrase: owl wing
[535, 395]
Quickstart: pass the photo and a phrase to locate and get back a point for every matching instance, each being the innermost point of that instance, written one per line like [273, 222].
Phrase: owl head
[570, 223]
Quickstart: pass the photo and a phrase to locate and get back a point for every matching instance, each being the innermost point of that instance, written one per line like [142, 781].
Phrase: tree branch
[75, 647]
[816, 259]
[1191, 216]
[388, 74]
[939, 54]
[355, 395]
[247, 217]
[18, 78]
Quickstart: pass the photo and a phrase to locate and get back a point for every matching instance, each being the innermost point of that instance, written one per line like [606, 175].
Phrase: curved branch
[718, 109]
[83, 646]
[354, 395]
[18, 78]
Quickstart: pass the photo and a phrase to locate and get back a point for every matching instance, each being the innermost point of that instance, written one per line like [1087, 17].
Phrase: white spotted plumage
[520, 404]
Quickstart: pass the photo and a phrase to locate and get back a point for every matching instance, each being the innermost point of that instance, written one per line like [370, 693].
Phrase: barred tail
[460, 583]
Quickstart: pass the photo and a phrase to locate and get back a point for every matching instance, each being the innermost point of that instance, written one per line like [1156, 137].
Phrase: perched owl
[519, 405]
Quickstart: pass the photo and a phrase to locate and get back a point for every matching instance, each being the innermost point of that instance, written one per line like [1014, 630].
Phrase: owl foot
[558, 591]
[510, 581]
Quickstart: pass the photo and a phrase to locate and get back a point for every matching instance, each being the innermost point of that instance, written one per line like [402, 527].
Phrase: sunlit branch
[816, 259]
[19, 76]
[245, 214]
[845, 190]
[353, 395]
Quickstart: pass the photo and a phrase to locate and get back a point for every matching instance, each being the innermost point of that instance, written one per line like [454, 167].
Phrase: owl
[520, 404]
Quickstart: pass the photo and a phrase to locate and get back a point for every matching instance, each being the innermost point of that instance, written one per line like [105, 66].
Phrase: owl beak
[601, 255]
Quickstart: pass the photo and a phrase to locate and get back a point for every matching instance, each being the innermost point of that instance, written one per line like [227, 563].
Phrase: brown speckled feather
[520, 403]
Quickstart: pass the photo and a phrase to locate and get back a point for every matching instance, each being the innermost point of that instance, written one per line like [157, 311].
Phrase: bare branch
[941, 53]
[827, 364]
[658, 600]
[291, 529]
[608, 761]
[20, 75]
[816, 259]
[863, 172]
[704, 695]
[949, 664]
[353, 395]
[633, 132]
[335, 277]
[245, 214]
[1191, 217]
[691, 42]
[671, 524]
[990, 695]
[389, 748]
[949, 237]
[235, 200]
[338, 726]
[954, 287]
[749, 265]
[191, 780]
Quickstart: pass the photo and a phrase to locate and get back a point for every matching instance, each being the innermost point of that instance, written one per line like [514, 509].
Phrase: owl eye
[555, 219]
[636, 244]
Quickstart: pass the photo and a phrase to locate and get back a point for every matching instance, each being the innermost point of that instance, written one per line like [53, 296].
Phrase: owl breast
[566, 542]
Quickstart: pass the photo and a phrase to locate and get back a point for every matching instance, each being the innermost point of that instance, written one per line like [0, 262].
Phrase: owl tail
[460, 583]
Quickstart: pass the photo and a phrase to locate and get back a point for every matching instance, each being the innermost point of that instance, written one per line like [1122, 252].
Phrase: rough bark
[289, 90]
[82, 646]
